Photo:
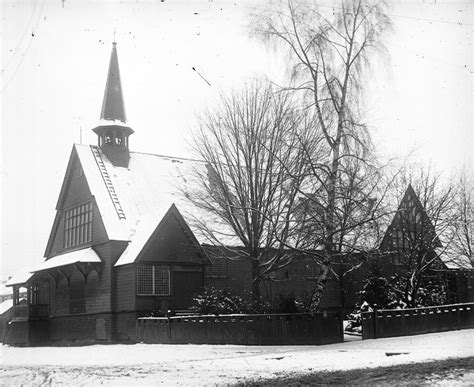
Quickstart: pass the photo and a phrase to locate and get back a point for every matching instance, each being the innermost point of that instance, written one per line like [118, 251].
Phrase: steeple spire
[113, 107]
[112, 132]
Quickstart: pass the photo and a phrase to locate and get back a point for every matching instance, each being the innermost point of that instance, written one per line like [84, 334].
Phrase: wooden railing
[25, 311]
[21, 311]
[274, 329]
[403, 322]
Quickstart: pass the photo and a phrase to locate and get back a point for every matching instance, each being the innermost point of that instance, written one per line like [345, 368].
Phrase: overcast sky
[54, 64]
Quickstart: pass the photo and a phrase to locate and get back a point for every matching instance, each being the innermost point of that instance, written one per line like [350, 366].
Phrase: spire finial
[114, 42]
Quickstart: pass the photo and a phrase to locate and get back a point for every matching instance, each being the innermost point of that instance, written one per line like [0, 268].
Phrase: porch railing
[31, 311]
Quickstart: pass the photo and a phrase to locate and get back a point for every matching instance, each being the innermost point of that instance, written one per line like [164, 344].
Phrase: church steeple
[113, 107]
[112, 132]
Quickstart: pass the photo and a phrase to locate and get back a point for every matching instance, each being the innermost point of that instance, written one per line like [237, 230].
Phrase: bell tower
[113, 133]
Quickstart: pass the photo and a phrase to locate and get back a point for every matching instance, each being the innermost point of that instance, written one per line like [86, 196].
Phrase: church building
[120, 246]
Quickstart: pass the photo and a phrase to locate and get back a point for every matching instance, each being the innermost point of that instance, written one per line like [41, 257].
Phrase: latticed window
[312, 270]
[78, 225]
[153, 280]
[398, 238]
[218, 269]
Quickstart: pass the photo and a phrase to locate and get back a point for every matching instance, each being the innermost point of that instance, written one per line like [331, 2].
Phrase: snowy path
[209, 364]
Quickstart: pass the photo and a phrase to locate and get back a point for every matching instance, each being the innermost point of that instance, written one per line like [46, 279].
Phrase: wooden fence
[403, 322]
[274, 329]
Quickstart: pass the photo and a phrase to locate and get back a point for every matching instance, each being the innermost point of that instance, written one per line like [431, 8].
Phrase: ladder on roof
[108, 182]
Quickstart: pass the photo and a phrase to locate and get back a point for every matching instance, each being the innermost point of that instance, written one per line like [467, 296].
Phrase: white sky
[53, 84]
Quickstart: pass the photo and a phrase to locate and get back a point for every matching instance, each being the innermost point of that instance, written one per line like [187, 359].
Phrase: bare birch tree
[249, 196]
[330, 50]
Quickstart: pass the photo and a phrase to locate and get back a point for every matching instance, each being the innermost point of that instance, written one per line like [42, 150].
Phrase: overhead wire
[15, 50]
[26, 51]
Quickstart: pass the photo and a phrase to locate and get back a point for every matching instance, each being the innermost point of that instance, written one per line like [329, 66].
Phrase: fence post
[169, 327]
[458, 315]
[375, 321]
[341, 324]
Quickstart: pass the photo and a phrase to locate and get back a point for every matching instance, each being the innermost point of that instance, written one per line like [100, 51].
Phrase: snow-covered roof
[5, 290]
[452, 260]
[20, 277]
[140, 234]
[87, 255]
[5, 306]
[145, 192]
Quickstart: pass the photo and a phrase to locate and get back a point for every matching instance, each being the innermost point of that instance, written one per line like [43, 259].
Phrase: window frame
[154, 269]
[221, 266]
[78, 225]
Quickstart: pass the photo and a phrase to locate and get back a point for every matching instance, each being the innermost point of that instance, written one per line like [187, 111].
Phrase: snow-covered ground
[210, 364]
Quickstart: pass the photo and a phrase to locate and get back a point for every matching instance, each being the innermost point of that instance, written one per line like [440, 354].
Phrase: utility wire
[26, 51]
[22, 36]
[394, 15]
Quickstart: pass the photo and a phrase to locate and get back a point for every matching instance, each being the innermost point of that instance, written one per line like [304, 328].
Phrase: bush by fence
[403, 322]
[265, 329]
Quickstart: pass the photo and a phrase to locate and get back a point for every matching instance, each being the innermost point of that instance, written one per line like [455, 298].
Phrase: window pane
[218, 269]
[77, 225]
[145, 280]
[162, 280]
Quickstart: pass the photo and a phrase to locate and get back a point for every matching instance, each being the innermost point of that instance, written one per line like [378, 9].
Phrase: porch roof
[19, 278]
[85, 255]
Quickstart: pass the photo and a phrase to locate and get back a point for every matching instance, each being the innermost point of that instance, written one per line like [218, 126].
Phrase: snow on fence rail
[403, 322]
[246, 329]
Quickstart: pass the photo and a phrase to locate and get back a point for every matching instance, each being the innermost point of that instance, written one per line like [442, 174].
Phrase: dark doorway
[186, 285]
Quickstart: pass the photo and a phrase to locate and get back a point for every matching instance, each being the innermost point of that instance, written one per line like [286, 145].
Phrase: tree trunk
[255, 279]
[342, 290]
[320, 286]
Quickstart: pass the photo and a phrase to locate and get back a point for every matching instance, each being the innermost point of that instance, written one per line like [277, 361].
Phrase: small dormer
[112, 131]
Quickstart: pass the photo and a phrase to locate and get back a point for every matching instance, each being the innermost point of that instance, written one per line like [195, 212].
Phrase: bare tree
[419, 236]
[249, 188]
[462, 246]
[330, 50]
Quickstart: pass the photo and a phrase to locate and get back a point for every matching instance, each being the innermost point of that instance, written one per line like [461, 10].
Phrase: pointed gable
[410, 216]
[113, 107]
[166, 240]
[75, 206]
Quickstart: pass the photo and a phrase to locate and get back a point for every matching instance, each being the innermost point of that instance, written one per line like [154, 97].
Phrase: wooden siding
[125, 287]
[293, 281]
[170, 243]
[98, 288]
[82, 327]
[76, 192]
[239, 277]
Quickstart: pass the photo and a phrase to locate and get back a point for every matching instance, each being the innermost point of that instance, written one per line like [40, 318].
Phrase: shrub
[223, 301]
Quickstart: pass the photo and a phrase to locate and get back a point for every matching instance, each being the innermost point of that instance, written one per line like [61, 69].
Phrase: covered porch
[31, 313]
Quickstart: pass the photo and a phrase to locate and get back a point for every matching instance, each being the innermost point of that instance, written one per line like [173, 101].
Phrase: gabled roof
[450, 259]
[144, 192]
[409, 201]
